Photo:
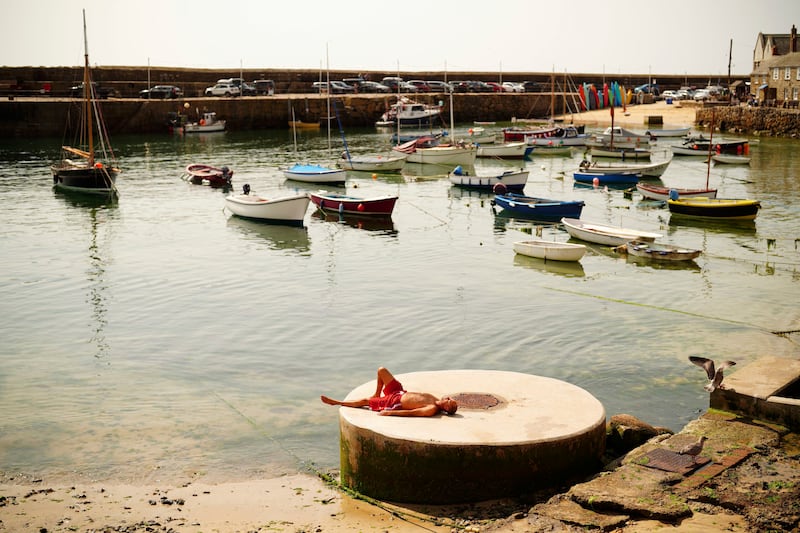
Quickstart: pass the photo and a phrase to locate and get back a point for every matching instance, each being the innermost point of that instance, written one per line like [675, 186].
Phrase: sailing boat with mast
[715, 208]
[95, 171]
[313, 173]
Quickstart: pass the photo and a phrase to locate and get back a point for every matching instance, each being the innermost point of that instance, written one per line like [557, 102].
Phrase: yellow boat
[719, 208]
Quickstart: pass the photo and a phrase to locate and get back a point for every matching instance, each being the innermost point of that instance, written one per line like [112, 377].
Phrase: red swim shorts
[390, 399]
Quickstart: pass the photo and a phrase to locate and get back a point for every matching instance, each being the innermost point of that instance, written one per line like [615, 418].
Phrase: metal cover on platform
[670, 461]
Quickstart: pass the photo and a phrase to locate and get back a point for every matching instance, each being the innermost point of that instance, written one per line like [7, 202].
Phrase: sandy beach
[297, 502]
[291, 503]
[635, 117]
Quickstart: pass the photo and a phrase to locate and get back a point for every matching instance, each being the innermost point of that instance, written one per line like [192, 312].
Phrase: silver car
[223, 89]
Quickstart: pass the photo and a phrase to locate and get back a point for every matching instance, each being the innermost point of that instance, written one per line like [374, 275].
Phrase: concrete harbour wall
[769, 121]
[46, 117]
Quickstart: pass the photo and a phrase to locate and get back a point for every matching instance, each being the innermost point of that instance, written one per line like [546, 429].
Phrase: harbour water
[158, 338]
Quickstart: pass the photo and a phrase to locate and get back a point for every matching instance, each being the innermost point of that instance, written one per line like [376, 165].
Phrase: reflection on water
[276, 236]
[97, 209]
[713, 225]
[568, 269]
[661, 265]
[384, 225]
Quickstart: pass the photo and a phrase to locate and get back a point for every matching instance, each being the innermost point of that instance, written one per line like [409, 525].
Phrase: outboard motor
[246, 188]
[226, 172]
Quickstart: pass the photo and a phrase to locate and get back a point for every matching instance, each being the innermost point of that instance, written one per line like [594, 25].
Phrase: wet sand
[291, 503]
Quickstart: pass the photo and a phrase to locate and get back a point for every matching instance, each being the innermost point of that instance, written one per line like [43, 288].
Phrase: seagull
[714, 376]
[693, 449]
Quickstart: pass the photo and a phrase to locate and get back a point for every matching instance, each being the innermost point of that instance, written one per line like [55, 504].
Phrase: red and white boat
[375, 206]
[201, 174]
[656, 192]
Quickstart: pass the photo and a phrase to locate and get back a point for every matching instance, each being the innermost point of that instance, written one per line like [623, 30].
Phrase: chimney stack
[793, 40]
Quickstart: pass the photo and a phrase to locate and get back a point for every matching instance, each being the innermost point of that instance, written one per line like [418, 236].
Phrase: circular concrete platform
[512, 433]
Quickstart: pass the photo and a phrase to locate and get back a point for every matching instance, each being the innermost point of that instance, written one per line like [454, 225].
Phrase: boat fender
[673, 194]
[458, 171]
[341, 208]
[202, 122]
[246, 189]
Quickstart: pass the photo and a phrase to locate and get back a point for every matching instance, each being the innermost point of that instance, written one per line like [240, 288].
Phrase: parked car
[479, 87]
[513, 87]
[264, 87]
[337, 87]
[101, 92]
[647, 88]
[340, 87]
[392, 82]
[496, 87]
[460, 86]
[421, 85]
[223, 89]
[531, 87]
[245, 88]
[439, 86]
[702, 94]
[161, 91]
[373, 87]
[669, 94]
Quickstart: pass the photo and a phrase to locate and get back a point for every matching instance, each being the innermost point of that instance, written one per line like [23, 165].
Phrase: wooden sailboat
[87, 168]
[313, 173]
[716, 208]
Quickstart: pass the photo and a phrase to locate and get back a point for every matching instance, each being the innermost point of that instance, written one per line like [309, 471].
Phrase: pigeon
[693, 449]
[714, 376]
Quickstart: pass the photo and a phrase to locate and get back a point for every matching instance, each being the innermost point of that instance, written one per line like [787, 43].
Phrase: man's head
[448, 405]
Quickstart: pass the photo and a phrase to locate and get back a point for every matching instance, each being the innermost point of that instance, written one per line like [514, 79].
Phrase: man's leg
[384, 377]
[364, 402]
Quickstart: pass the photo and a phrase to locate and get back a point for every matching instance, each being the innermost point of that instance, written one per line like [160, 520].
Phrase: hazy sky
[670, 37]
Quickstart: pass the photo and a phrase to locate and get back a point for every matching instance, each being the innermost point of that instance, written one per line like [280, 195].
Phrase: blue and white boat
[310, 173]
[545, 209]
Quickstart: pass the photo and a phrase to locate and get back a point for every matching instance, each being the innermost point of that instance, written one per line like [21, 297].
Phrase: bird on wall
[714, 373]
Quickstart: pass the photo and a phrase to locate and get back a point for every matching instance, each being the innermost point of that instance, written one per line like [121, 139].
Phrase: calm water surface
[159, 338]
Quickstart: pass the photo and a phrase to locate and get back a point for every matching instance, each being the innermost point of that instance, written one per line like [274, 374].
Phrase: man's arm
[428, 410]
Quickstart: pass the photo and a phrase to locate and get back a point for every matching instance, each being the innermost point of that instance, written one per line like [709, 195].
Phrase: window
[794, 93]
[798, 73]
[775, 73]
[787, 73]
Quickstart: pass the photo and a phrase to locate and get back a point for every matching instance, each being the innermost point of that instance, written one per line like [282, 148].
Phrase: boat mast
[710, 145]
[87, 92]
[553, 95]
[730, 58]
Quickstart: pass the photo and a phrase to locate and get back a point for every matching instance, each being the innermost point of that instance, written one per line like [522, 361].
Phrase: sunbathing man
[391, 400]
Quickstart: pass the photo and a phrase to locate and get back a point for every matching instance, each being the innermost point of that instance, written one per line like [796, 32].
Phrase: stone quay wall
[47, 116]
[769, 121]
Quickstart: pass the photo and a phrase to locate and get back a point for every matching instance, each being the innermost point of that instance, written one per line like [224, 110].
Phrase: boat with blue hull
[607, 178]
[530, 207]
